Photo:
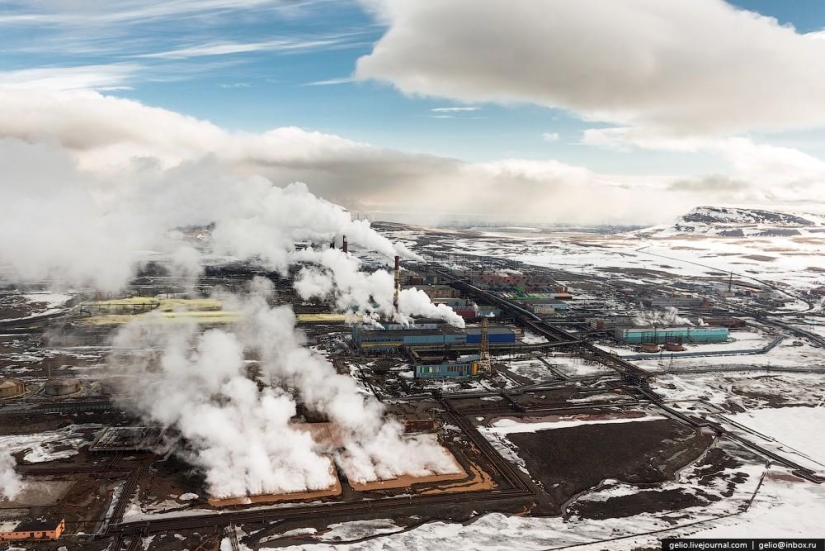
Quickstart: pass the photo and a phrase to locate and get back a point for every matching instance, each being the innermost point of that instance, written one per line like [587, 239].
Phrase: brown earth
[571, 460]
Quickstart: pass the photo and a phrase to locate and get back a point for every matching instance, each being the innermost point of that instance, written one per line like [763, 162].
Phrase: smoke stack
[397, 282]
[344, 245]
[332, 243]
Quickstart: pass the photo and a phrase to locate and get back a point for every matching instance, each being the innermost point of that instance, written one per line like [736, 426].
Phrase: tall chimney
[344, 245]
[397, 282]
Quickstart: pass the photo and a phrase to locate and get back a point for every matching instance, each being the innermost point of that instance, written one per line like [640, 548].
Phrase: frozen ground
[784, 508]
[655, 256]
[785, 354]
[347, 531]
[742, 391]
[504, 427]
[799, 428]
[575, 366]
[497, 532]
[49, 445]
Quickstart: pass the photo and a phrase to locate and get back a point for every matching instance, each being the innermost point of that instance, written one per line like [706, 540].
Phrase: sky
[538, 111]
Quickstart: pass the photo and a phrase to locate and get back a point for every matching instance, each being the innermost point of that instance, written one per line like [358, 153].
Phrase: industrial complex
[540, 348]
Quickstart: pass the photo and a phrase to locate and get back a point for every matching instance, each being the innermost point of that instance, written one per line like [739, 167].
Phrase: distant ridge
[744, 222]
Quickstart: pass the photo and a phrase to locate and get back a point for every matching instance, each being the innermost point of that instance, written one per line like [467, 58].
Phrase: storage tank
[61, 387]
[11, 387]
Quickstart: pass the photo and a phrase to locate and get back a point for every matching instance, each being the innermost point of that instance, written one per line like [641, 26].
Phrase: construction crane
[484, 363]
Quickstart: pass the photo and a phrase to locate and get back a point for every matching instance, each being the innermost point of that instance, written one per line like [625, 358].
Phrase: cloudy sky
[541, 111]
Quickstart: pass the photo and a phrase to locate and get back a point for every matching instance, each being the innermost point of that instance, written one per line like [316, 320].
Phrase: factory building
[495, 335]
[730, 323]
[440, 291]
[61, 387]
[526, 299]
[32, 530]
[11, 387]
[677, 302]
[372, 339]
[393, 337]
[545, 308]
[671, 334]
[465, 367]
[525, 282]
[610, 323]
[465, 308]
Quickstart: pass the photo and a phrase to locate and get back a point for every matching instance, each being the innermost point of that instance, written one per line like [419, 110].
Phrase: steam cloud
[10, 482]
[238, 431]
[60, 223]
[80, 232]
[77, 231]
[669, 317]
[338, 276]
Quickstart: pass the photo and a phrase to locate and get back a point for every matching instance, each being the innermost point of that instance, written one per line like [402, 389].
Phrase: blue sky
[258, 90]
[255, 65]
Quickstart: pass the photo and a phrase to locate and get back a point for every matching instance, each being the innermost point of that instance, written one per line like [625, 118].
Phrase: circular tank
[11, 387]
[61, 387]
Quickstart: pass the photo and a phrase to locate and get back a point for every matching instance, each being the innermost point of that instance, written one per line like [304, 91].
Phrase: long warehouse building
[661, 335]
[391, 337]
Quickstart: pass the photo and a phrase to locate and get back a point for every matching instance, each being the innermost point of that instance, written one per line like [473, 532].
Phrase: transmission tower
[484, 363]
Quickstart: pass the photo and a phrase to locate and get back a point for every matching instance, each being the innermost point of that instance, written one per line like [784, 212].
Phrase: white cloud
[681, 66]
[330, 82]
[114, 141]
[125, 11]
[228, 48]
[550, 136]
[101, 77]
[454, 109]
[770, 172]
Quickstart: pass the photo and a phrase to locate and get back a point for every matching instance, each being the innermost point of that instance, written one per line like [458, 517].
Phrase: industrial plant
[499, 347]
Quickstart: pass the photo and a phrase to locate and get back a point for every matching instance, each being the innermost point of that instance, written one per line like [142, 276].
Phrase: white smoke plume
[10, 482]
[669, 317]
[238, 429]
[334, 275]
[79, 229]
[64, 225]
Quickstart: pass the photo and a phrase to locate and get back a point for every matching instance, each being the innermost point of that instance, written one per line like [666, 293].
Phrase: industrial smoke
[10, 482]
[660, 318]
[336, 276]
[236, 424]
[238, 428]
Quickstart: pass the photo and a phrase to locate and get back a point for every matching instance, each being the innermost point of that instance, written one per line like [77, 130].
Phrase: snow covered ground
[741, 390]
[575, 366]
[788, 262]
[785, 354]
[509, 426]
[498, 532]
[49, 300]
[802, 429]
[49, 445]
[783, 508]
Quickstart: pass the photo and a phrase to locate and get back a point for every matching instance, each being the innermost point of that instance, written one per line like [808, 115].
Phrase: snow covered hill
[737, 222]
